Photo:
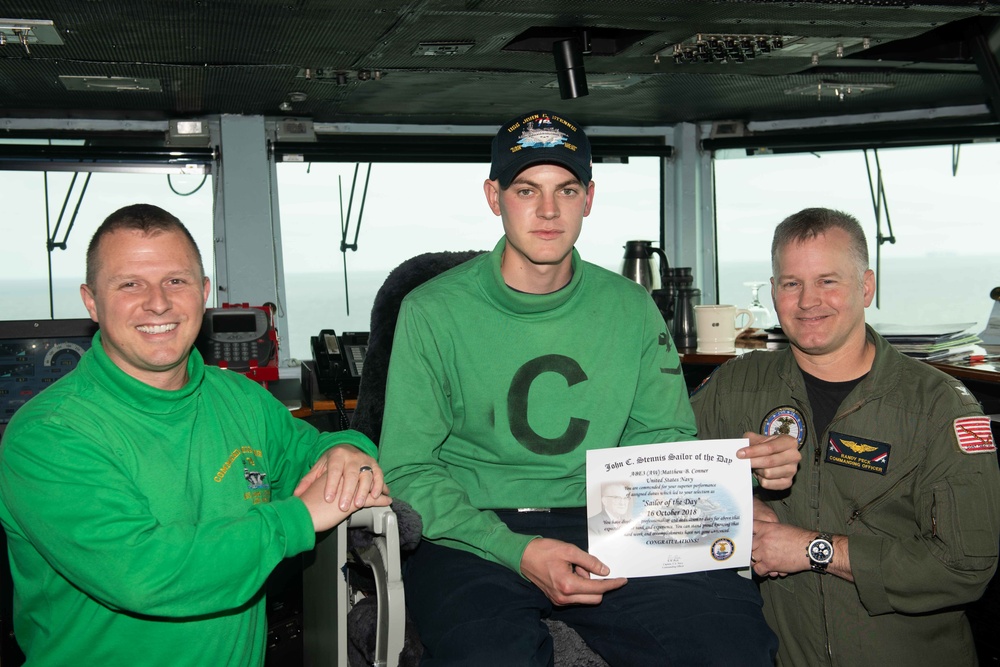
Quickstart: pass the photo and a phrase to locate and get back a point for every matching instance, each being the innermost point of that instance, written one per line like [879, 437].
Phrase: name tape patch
[858, 453]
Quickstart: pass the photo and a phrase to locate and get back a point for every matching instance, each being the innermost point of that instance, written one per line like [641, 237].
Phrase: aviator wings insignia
[858, 448]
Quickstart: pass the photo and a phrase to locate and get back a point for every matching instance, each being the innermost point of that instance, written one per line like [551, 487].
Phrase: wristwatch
[820, 552]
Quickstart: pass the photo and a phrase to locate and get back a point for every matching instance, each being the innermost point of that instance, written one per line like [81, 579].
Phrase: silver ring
[365, 469]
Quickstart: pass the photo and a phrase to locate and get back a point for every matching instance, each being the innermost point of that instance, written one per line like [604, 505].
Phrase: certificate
[670, 508]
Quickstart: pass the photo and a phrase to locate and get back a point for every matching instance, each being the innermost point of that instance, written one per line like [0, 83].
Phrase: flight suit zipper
[817, 463]
[874, 502]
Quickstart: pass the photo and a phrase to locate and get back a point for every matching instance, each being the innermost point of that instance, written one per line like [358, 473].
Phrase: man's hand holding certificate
[670, 508]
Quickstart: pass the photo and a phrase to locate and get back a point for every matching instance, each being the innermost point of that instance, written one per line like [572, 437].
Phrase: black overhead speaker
[569, 68]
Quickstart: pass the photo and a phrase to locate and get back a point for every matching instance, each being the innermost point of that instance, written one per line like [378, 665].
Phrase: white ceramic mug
[717, 328]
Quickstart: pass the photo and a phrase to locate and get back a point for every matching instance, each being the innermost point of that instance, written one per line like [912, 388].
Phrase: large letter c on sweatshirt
[517, 405]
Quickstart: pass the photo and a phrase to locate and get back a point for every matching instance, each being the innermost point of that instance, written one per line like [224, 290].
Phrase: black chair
[570, 650]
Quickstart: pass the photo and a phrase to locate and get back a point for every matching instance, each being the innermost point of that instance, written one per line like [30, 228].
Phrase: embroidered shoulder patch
[974, 435]
[785, 420]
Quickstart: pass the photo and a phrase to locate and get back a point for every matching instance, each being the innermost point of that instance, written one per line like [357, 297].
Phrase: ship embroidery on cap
[542, 134]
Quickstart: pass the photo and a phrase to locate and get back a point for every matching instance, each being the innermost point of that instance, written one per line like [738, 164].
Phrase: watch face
[820, 551]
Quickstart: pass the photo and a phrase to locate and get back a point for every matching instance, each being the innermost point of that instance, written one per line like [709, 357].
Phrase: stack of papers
[930, 342]
[991, 334]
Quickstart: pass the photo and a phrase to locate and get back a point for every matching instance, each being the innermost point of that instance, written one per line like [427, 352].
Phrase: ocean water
[929, 290]
[937, 290]
[28, 299]
[932, 290]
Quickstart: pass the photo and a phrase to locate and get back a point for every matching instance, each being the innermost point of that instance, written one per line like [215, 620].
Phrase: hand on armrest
[326, 515]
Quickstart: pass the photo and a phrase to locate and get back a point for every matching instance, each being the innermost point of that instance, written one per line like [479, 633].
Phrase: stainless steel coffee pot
[638, 264]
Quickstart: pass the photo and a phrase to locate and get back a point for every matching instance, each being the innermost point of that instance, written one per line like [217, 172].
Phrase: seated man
[504, 372]
[894, 519]
[147, 496]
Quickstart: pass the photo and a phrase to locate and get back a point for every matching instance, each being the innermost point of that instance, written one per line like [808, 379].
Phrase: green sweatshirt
[142, 523]
[494, 396]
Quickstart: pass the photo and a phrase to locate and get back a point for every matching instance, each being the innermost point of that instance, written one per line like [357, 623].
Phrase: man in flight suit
[893, 520]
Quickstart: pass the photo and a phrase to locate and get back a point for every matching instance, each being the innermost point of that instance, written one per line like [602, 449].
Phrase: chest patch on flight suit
[785, 420]
[974, 435]
[858, 453]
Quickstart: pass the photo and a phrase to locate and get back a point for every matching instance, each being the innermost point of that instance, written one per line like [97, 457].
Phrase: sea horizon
[910, 294]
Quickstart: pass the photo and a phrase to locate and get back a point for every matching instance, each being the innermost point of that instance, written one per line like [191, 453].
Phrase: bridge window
[49, 216]
[414, 208]
[942, 266]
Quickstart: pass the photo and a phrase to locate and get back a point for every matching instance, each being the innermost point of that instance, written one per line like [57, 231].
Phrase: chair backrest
[415, 271]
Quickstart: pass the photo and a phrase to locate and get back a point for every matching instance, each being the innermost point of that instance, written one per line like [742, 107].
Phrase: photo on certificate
[670, 508]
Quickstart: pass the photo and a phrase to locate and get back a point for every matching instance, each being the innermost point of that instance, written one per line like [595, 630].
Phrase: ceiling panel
[249, 56]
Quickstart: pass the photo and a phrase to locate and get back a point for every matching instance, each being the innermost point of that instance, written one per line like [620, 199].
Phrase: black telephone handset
[339, 362]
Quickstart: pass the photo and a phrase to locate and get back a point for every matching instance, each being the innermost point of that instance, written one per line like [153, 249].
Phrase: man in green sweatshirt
[504, 372]
[147, 496]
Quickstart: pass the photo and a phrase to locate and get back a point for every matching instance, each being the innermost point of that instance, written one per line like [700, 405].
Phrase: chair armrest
[383, 557]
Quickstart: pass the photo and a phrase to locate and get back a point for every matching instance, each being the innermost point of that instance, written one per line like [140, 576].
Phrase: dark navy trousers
[470, 611]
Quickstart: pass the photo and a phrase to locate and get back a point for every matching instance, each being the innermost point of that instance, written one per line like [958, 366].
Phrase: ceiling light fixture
[28, 32]
[188, 132]
[340, 77]
[608, 81]
[442, 48]
[840, 90]
[110, 84]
